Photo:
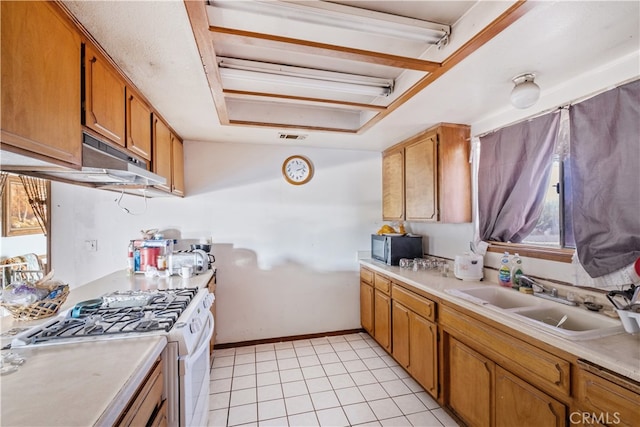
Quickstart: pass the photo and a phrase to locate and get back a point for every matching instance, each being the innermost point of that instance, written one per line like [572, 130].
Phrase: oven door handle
[203, 345]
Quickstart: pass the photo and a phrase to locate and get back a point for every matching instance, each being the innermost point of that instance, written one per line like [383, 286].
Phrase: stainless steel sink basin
[580, 324]
[501, 297]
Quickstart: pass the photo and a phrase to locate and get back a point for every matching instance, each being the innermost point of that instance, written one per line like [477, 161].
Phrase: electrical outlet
[91, 245]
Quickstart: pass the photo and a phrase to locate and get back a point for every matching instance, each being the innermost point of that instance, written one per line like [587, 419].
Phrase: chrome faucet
[543, 292]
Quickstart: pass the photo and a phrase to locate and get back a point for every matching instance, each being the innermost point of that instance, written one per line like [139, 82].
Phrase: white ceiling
[561, 42]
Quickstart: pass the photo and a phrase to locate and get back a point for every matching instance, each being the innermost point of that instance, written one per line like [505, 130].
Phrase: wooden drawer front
[366, 275]
[418, 304]
[603, 400]
[546, 371]
[149, 397]
[383, 284]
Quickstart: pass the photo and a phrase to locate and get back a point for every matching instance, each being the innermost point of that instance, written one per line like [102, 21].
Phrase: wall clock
[297, 170]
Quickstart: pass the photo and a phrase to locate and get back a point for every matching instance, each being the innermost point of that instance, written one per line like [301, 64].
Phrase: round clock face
[297, 170]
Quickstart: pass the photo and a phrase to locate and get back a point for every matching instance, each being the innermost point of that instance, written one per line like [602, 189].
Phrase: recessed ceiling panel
[284, 114]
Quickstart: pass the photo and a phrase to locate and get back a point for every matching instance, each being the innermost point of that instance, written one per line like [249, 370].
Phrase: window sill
[550, 254]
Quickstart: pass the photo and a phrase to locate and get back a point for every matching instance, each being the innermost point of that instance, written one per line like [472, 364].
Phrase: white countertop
[619, 353]
[78, 384]
[83, 383]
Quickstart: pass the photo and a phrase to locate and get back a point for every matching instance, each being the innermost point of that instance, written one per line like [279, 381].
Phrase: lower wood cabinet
[470, 384]
[366, 307]
[601, 401]
[146, 406]
[415, 337]
[382, 319]
[520, 404]
[487, 374]
[212, 289]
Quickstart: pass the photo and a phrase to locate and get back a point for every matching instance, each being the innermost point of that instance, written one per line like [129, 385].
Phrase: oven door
[194, 380]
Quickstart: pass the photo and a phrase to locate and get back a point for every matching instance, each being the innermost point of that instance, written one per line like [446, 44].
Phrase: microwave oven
[390, 249]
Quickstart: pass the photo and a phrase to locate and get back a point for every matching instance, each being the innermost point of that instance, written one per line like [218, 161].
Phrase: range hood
[103, 166]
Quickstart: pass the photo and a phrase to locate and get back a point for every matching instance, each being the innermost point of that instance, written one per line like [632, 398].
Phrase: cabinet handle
[560, 374]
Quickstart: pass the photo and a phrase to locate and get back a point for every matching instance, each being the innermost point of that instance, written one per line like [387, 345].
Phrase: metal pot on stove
[197, 258]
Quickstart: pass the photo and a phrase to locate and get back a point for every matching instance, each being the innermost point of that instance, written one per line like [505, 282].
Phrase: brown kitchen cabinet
[393, 185]
[41, 56]
[415, 337]
[382, 311]
[605, 398]
[520, 404]
[428, 176]
[168, 159]
[138, 124]
[212, 289]
[470, 384]
[366, 307]
[148, 406]
[177, 166]
[494, 379]
[104, 101]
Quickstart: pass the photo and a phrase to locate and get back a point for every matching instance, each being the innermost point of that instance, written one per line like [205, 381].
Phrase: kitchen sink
[541, 313]
[579, 325]
[499, 297]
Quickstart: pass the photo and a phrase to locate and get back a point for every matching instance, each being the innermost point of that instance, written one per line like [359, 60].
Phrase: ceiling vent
[292, 136]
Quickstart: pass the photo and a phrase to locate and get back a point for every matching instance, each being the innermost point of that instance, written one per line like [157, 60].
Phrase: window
[554, 228]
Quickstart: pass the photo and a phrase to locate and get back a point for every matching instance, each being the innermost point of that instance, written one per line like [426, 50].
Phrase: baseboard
[289, 338]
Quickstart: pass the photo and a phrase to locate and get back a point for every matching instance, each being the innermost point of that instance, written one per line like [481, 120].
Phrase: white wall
[20, 245]
[286, 255]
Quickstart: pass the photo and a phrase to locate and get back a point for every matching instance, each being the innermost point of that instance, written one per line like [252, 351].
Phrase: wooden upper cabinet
[138, 125]
[104, 103]
[162, 152]
[454, 173]
[177, 166]
[168, 157]
[41, 55]
[421, 178]
[393, 185]
[428, 176]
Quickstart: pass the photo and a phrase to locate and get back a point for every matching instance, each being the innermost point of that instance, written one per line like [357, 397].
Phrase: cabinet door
[470, 384]
[421, 179]
[606, 402]
[366, 307]
[177, 166]
[423, 352]
[454, 174]
[382, 319]
[520, 404]
[400, 333]
[41, 56]
[104, 103]
[138, 125]
[162, 152]
[212, 289]
[393, 185]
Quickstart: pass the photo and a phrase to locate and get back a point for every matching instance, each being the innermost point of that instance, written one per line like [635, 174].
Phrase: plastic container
[516, 271]
[504, 273]
[630, 320]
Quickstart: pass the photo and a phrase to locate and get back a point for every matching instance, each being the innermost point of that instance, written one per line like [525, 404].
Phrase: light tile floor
[345, 380]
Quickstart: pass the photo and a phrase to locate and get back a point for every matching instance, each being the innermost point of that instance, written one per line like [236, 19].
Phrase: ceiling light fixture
[525, 92]
[346, 17]
[263, 72]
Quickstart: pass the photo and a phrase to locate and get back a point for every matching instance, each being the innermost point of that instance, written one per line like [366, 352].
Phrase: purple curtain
[605, 169]
[513, 176]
